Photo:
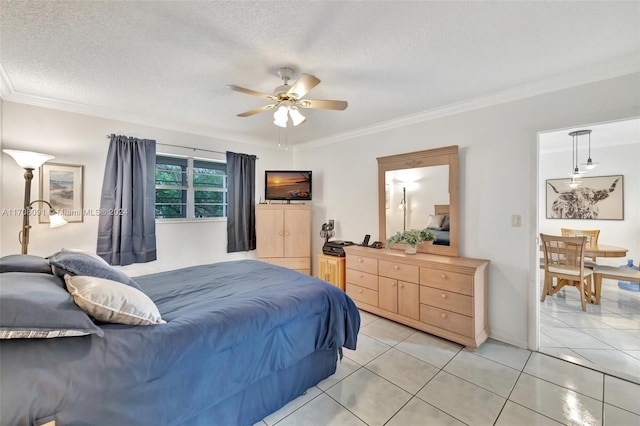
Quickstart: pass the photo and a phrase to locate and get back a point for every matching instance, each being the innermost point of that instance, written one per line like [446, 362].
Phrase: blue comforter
[229, 325]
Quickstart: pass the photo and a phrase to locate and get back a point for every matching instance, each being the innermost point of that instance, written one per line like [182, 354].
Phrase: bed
[443, 235]
[241, 339]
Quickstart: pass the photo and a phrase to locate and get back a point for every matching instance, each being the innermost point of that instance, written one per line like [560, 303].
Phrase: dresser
[444, 296]
[283, 235]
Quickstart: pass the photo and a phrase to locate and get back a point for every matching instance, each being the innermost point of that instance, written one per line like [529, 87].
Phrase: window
[189, 188]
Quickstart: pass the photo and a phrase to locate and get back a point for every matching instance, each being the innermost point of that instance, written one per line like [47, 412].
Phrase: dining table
[604, 250]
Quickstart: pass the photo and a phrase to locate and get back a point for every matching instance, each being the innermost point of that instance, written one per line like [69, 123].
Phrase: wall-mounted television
[289, 185]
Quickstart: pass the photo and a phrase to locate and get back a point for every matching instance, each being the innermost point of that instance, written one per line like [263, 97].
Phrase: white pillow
[435, 221]
[111, 301]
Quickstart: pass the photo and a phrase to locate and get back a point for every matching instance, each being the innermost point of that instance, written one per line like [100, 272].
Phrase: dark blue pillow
[24, 263]
[77, 263]
[37, 306]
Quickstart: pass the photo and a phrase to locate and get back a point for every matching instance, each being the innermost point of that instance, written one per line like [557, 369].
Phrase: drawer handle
[443, 276]
[401, 285]
[359, 260]
[359, 290]
[286, 233]
[444, 296]
[443, 315]
[393, 284]
[361, 276]
[280, 233]
[396, 267]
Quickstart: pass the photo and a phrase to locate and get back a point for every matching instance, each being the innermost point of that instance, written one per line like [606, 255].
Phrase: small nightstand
[332, 270]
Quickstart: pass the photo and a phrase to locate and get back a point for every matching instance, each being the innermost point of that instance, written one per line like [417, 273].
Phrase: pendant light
[575, 171]
[589, 165]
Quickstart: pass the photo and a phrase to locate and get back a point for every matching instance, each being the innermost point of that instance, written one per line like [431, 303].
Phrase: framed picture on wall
[61, 185]
[595, 198]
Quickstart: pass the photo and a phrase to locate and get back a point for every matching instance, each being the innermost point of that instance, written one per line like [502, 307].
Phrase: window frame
[190, 191]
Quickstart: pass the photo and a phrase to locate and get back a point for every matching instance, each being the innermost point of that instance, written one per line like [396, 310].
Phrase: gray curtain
[127, 225]
[241, 198]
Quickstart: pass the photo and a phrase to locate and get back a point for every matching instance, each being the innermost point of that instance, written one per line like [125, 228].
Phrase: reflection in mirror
[411, 197]
[419, 190]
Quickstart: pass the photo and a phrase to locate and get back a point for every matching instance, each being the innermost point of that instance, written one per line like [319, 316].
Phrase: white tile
[550, 320]
[514, 414]
[366, 318]
[568, 355]
[561, 404]
[613, 361]
[322, 411]
[370, 397]
[566, 374]
[483, 372]
[504, 353]
[635, 354]
[388, 332]
[622, 394]
[418, 412]
[548, 342]
[366, 350]
[260, 423]
[621, 321]
[617, 339]
[344, 368]
[275, 417]
[403, 370]
[574, 339]
[580, 320]
[428, 348]
[614, 416]
[463, 400]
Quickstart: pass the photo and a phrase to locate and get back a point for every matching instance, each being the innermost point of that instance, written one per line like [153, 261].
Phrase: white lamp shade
[280, 116]
[28, 159]
[56, 220]
[296, 116]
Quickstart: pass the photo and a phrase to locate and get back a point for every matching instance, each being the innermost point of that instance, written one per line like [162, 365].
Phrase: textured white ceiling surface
[169, 63]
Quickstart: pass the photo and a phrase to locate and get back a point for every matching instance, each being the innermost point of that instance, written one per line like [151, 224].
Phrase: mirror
[419, 190]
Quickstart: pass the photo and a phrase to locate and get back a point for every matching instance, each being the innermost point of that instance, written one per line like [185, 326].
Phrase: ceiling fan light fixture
[280, 116]
[296, 116]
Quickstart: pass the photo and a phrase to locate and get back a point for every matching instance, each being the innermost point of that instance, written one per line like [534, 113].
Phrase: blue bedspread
[229, 325]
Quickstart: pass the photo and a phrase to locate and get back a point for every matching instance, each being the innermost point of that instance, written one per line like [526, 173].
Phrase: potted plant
[411, 239]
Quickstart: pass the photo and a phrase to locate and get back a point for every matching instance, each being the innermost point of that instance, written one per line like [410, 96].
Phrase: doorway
[607, 336]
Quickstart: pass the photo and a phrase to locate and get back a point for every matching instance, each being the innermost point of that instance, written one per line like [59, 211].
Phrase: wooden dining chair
[591, 234]
[564, 261]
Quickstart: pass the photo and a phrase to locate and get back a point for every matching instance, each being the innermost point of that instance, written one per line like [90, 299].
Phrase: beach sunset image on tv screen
[288, 185]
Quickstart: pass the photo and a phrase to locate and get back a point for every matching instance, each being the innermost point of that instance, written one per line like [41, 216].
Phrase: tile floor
[402, 377]
[606, 337]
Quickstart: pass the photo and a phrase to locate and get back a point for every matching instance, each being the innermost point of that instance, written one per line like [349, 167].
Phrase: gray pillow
[77, 263]
[445, 224]
[24, 263]
[37, 306]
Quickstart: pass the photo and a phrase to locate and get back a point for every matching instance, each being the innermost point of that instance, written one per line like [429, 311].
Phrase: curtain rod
[188, 147]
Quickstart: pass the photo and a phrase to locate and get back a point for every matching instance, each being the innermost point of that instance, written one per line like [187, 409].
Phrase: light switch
[516, 220]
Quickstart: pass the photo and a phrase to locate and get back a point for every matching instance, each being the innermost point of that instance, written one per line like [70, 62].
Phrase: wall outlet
[516, 220]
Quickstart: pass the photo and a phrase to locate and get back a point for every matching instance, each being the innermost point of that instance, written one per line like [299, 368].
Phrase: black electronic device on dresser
[335, 248]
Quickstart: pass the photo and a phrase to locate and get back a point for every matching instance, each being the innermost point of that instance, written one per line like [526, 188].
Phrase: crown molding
[603, 71]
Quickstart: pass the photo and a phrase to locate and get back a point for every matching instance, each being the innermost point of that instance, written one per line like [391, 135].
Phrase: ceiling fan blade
[322, 104]
[251, 92]
[257, 110]
[302, 86]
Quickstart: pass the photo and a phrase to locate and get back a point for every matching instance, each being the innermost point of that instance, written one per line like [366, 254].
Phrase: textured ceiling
[167, 63]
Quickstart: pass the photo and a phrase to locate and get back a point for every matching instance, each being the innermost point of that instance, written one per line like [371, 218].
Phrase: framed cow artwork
[596, 197]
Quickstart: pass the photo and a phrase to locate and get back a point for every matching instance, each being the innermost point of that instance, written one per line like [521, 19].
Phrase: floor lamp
[29, 161]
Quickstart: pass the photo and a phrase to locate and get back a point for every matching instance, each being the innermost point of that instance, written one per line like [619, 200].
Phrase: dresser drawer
[446, 280]
[447, 300]
[448, 320]
[362, 279]
[361, 263]
[303, 263]
[361, 294]
[398, 271]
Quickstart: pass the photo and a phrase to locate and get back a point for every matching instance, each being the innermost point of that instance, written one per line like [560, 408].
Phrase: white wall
[81, 139]
[498, 159]
[615, 158]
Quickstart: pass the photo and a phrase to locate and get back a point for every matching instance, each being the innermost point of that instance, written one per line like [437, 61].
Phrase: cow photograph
[600, 197]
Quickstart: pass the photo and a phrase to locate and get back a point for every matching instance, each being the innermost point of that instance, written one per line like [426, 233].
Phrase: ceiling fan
[287, 100]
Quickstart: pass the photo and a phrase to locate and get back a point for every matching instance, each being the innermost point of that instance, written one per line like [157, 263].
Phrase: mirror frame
[432, 157]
